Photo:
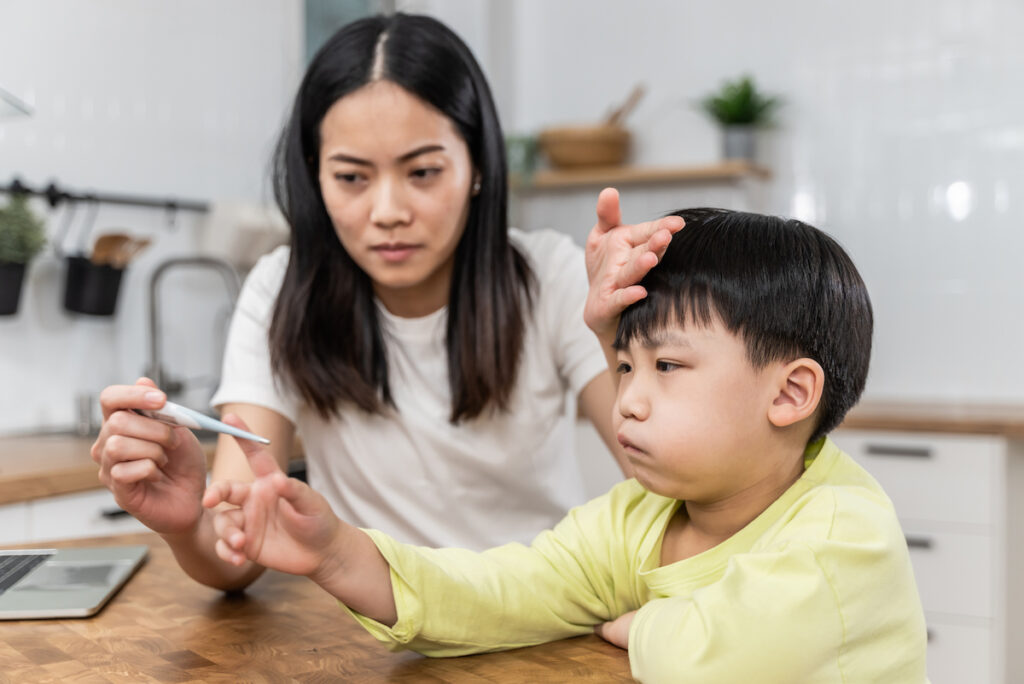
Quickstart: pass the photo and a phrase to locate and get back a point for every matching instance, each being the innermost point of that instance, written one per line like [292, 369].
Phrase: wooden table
[164, 627]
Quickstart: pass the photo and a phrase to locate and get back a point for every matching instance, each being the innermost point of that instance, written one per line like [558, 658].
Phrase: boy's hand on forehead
[618, 257]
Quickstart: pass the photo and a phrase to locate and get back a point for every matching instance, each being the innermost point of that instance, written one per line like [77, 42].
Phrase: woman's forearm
[195, 553]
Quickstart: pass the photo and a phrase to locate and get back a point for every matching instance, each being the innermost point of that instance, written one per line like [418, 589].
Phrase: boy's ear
[800, 384]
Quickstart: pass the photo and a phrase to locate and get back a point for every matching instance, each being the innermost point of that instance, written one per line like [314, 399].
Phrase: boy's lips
[628, 445]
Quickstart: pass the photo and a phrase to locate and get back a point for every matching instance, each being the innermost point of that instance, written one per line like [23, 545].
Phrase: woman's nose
[390, 205]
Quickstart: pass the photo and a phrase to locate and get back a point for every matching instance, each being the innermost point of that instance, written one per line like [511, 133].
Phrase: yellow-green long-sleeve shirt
[818, 588]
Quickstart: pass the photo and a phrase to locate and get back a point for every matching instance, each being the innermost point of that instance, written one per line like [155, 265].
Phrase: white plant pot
[739, 143]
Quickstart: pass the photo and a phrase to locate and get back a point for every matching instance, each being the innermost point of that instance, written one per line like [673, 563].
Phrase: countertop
[164, 627]
[36, 466]
[1002, 420]
[40, 466]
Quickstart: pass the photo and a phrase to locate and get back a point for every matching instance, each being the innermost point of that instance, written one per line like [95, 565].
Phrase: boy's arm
[281, 523]
[770, 618]
[456, 602]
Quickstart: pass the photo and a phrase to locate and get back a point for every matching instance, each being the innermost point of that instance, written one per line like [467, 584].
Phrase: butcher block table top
[164, 627]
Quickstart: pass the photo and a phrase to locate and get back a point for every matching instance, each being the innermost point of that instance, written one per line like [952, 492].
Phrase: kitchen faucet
[156, 371]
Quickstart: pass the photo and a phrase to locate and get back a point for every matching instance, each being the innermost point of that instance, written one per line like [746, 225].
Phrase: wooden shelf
[633, 175]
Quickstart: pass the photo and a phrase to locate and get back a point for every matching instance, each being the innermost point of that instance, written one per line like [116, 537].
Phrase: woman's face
[396, 178]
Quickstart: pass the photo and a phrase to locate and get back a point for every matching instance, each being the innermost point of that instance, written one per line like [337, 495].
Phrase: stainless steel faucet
[156, 370]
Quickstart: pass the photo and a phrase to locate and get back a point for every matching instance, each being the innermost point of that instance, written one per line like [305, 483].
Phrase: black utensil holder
[91, 288]
[11, 278]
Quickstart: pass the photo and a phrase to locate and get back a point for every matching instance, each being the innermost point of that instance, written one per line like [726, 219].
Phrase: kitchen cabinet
[68, 516]
[958, 500]
[14, 526]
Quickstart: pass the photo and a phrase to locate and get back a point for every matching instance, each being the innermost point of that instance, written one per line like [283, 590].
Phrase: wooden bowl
[582, 146]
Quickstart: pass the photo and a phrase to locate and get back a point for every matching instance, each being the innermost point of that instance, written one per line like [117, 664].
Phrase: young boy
[747, 548]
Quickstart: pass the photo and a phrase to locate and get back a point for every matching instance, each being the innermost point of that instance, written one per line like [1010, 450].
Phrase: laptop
[63, 583]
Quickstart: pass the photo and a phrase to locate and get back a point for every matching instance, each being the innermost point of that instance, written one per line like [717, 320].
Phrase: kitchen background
[901, 133]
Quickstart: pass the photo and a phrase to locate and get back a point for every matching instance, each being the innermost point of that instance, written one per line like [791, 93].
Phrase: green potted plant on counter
[22, 237]
[739, 108]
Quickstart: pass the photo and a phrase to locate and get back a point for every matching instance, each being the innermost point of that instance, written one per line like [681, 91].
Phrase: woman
[420, 349]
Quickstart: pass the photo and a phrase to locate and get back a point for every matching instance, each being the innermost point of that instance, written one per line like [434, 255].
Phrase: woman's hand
[157, 472]
[275, 521]
[616, 631]
[618, 257]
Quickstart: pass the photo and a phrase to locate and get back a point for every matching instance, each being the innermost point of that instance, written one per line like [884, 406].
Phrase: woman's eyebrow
[420, 150]
[412, 154]
[342, 157]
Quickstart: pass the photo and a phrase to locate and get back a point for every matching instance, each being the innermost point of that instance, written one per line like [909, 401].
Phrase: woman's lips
[395, 252]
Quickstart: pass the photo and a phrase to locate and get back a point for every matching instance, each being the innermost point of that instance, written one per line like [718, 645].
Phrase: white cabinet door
[950, 478]
[949, 493]
[959, 653]
[78, 515]
[14, 523]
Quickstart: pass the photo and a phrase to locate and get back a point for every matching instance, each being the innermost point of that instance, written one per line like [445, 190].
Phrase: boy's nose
[632, 401]
[390, 206]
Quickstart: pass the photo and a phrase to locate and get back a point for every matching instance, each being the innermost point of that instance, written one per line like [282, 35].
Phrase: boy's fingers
[261, 461]
[229, 526]
[227, 554]
[298, 494]
[608, 213]
[234, 493]
[213, 495]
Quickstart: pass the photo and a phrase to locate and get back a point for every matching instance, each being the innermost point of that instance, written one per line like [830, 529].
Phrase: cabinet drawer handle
[914, 542]
[894, 450]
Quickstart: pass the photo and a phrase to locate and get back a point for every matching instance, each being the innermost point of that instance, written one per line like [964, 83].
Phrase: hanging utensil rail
[55, 195]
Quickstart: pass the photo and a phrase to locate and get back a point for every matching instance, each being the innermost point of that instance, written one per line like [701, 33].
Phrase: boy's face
[691, 413]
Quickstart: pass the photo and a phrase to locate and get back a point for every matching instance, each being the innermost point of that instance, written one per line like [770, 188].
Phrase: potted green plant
[22, 237]
[739, 108]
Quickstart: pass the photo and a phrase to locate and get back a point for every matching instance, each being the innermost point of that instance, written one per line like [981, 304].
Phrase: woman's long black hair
[325, 337]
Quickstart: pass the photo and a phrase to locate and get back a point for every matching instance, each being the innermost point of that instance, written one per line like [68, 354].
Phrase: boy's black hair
[785, 288]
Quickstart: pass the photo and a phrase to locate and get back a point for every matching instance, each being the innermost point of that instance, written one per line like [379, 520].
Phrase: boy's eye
[623, 368]
[665, 366]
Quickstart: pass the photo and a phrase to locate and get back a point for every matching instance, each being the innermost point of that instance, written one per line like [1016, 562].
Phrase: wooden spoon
[128, 250]
[618, 116]
[107, 246]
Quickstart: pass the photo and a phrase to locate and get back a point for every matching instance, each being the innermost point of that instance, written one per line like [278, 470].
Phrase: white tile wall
[137, 98]
[902, 134]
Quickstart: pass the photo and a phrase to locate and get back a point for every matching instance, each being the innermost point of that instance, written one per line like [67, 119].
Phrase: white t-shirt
[412, 474]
